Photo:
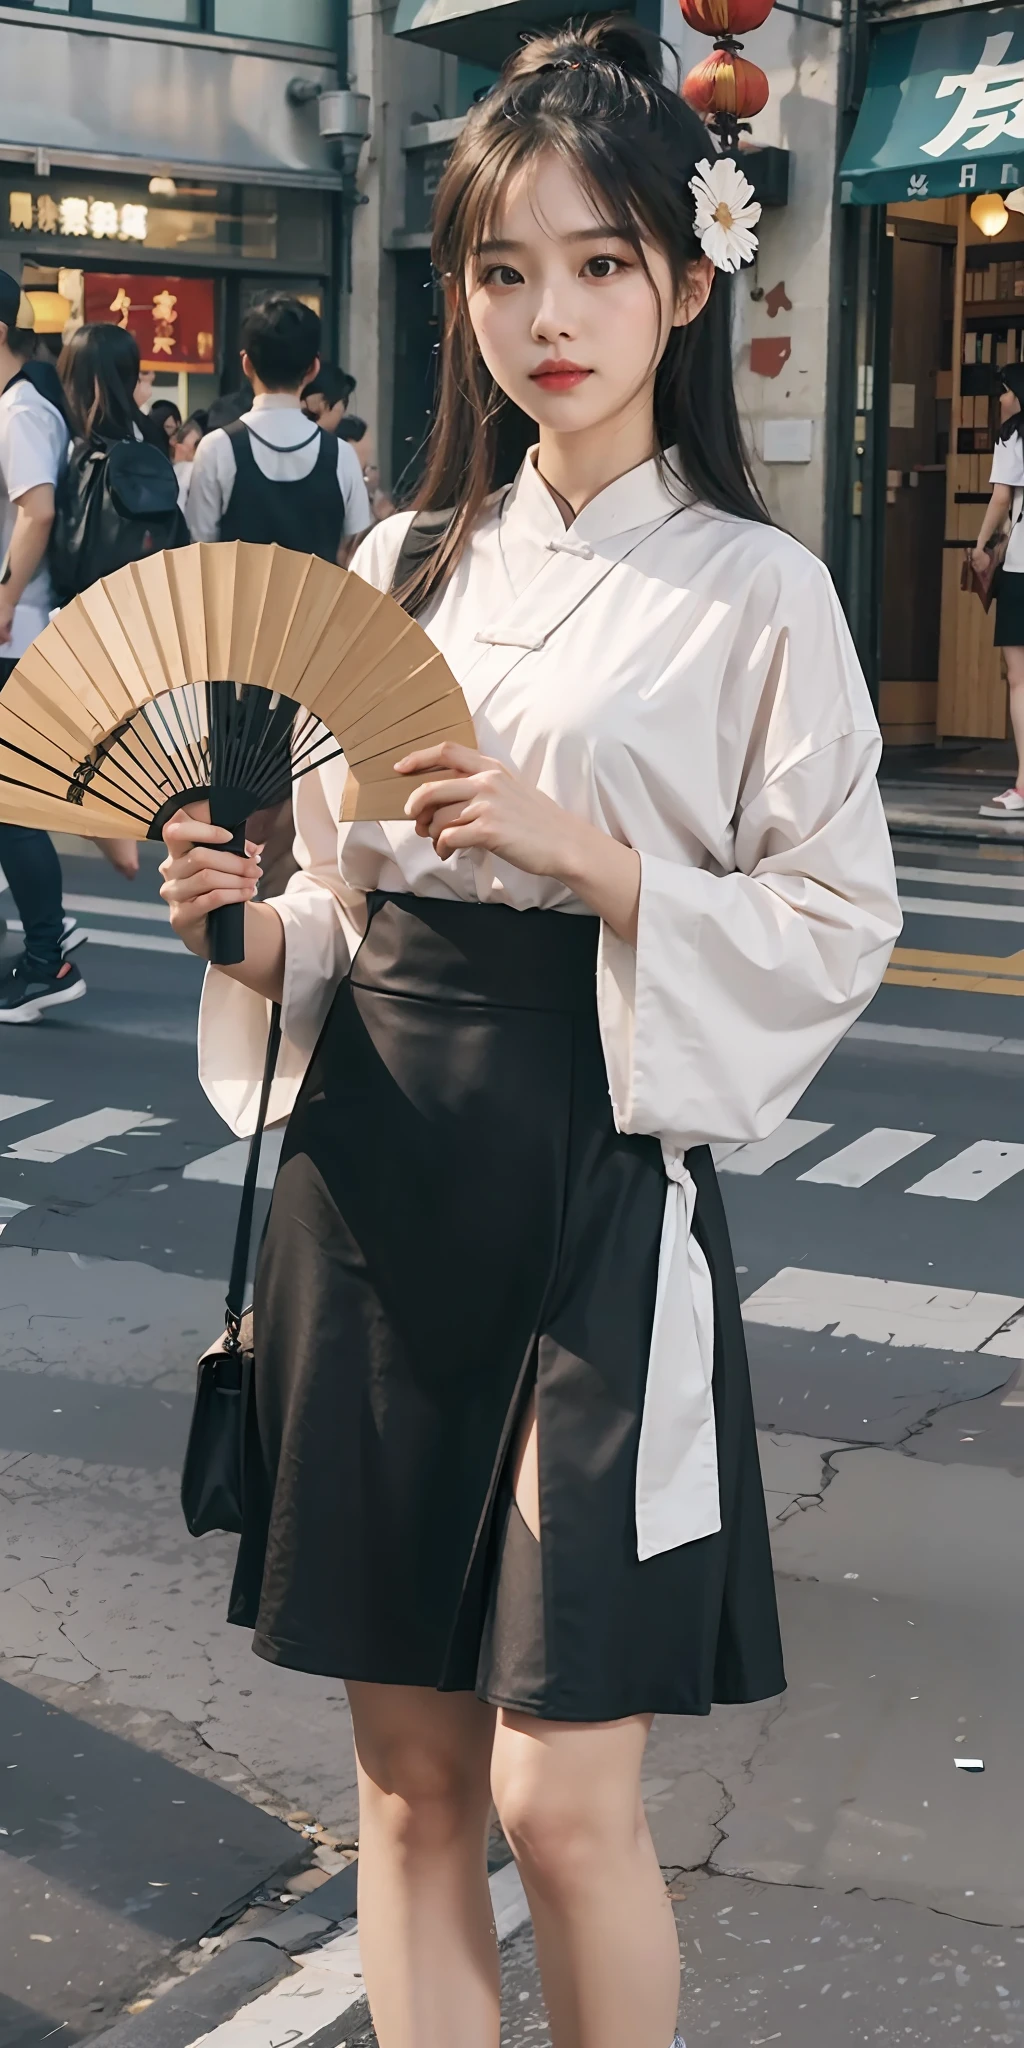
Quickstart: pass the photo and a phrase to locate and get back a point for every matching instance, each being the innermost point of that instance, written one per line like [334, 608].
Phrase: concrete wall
[801, 61]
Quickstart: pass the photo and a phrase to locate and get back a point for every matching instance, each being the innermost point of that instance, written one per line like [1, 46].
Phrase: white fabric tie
[580, 548]
[677, 1435]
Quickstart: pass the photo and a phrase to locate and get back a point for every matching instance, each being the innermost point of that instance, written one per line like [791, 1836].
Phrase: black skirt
[456, 1222]
[1009, 609]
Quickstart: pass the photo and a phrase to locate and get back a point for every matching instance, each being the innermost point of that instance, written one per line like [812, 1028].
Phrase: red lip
[557, 374]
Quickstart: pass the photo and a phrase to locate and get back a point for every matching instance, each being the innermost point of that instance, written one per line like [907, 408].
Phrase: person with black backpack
[33, 449]
[118, 498]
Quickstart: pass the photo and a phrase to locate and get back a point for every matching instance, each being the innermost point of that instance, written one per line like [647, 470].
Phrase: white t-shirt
[33, 447]
[1008, 468]
[276, 417]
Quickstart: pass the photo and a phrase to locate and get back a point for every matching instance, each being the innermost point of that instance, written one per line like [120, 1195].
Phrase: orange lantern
[725, 17]
[726, 83]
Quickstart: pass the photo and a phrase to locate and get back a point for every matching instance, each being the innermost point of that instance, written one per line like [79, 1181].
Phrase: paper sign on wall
[788, 440]
[902, 405]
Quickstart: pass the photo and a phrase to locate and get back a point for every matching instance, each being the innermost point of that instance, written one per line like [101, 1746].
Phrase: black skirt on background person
[1009, 609]
[454, 1222]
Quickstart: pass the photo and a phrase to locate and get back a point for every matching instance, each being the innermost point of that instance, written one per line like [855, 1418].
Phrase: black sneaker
[71, 935]
[30, 989]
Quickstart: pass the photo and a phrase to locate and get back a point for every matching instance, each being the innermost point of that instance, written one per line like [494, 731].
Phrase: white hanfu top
[685, 679]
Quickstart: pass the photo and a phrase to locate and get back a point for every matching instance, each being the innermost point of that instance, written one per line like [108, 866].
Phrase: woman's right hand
[980, 560]
[199, 876]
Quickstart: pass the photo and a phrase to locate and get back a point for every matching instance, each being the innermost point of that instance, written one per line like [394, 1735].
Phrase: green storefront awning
[487, 31]
[943, 111]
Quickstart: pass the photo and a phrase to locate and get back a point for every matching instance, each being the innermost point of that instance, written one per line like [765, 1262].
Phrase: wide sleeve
[742, 982]
[323, 921]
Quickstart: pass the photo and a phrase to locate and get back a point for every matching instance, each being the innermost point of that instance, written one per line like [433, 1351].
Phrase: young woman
[1004, 510]
[502, 1468]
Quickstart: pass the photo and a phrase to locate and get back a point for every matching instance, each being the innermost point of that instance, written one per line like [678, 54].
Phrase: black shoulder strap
[235, 1300]
[241, 447]
[425, 530]
[327, 455]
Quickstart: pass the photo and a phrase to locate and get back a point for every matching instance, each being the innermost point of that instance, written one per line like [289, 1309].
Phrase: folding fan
[223, 672]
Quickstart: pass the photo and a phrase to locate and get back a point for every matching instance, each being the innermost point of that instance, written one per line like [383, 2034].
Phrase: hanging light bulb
[988, 213]
[1014, 200]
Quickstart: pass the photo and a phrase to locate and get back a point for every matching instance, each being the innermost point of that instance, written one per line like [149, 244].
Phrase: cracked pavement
[835, 1877]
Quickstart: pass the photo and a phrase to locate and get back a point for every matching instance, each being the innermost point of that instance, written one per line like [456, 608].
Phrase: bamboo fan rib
[218, 672]
[222, 671]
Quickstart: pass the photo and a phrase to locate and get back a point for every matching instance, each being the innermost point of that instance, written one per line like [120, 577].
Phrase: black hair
[281, 337]
[162, 410]
[1011, 378]
[334, 386]
[351, 428]
[21, 341]
[596, 96]
[99, 369]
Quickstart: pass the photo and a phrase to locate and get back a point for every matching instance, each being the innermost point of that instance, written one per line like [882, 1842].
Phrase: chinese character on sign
[164, 316]
[104, 220]
[134, 223]
[74, 216]
[47, 214]
[992, 105]
[121, 304]
[20, 210]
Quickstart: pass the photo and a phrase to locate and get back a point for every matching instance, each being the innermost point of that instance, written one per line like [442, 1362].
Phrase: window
[296, 21]
[166, 13]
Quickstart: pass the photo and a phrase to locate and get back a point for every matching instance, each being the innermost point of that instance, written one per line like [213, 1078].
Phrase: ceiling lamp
[1014, 200]
[988, 213]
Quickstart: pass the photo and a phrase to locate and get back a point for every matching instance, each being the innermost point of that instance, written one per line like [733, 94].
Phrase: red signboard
[170, 317]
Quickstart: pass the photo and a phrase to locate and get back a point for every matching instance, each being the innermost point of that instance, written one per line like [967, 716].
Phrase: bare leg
[426, 1931]
[1014, 659]
[568, 1797]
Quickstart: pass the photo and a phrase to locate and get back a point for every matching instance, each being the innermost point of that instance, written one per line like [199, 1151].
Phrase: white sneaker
[1010, 804]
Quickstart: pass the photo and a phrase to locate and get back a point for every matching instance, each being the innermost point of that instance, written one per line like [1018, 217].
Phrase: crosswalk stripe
[133, 942]
[973, 1173]
[228, 1165]
[8, 1209]
[115, 906]
[958, 878]
[861, 1161]
[891, 1312]
[45, 1147]
[954, 906]
[19, 1105]
[762, 1153]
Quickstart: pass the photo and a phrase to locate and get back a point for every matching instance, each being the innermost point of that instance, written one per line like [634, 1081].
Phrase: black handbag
[213, 1475]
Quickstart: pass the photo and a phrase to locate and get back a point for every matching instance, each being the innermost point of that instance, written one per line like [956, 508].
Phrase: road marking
[228, 1165]
[958, 878]
[46, 1147]
[115, 906]
[9, 1209]
[133, 942]
[17, 1105]
[954, 906]
[935, 1041]
[894, 1312]
[762, 1153]
[973, 1173]
[866, 1157]
[329, 1981]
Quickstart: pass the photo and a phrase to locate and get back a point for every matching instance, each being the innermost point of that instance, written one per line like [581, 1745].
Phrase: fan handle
[225, 928]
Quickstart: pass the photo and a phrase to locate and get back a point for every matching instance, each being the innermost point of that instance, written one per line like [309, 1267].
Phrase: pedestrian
[325, 398]
[274, 476]
[501, 1469]
[183, 451]
[33, 449]
[164, 418]
[296, 485]
[1004, 512]
[118, 495]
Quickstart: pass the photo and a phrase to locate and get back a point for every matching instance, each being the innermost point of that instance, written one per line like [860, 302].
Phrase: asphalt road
[878, 1243]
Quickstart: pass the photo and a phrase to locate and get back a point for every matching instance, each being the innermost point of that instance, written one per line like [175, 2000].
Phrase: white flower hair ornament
[725, 213]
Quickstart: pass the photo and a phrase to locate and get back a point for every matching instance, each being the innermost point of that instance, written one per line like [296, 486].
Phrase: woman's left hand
[477, 802]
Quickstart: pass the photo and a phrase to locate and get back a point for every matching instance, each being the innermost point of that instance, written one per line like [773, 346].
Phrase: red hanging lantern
[725, 17]
[726, 83]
